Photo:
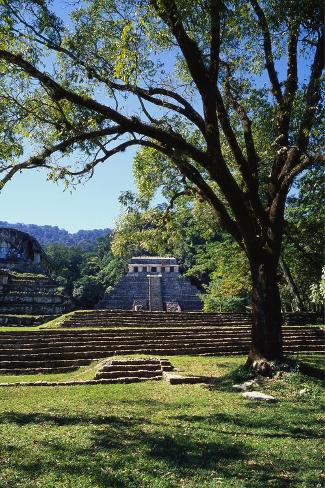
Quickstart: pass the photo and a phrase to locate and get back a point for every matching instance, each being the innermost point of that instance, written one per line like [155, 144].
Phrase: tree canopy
[223, 97]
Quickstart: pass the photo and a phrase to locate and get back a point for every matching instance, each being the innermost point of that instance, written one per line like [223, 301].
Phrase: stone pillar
[167, 269]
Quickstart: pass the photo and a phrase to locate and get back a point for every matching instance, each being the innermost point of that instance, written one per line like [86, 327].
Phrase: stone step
[99, 352]
[33, 309]
[95, 353]
[127, 379]
[162, 315]
[42, 370]
[30, 283]
[117, 338]
[157, 320]
[35, 364]
[129, 330]
[137, 315]
[23, 320]
[141, 335]
[46, 367]
[26, 299]
[176, 379]
[149, 324]
[121, 361]
[81, 348]
[141, 313]
[122, 345]
[115, 341]
[146, 368]
[135, 337]
[139, 373]
[66, 348]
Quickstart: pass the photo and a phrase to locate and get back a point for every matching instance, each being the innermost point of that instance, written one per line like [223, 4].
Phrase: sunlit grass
[161, 436]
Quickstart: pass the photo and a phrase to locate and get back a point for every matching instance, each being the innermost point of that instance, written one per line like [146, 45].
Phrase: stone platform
[59, 351]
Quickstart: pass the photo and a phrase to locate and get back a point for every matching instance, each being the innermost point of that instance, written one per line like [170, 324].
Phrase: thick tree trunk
[266, 310]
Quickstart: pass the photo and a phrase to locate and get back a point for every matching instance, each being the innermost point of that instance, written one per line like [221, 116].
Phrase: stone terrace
[107, 318]
[64, 350]
[30, 299]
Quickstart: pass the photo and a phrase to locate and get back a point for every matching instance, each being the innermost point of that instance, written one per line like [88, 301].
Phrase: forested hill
[48, 234]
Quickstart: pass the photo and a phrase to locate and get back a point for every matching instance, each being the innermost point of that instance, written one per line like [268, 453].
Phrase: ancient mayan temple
[28, 295]
[154, 284]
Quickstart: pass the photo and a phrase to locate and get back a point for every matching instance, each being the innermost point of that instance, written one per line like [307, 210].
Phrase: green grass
[18, 328]
[52, 324]
[153, 435]
[317, 360]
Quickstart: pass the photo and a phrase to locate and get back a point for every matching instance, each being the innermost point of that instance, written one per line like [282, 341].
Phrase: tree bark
[267, 317]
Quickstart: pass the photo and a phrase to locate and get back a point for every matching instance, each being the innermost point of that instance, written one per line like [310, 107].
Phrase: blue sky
[30, 199]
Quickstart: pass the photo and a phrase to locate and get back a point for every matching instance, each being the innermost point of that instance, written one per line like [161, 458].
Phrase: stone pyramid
[154, 284]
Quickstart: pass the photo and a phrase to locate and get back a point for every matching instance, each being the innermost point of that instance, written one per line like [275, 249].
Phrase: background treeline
[86, 275]
[49, 234]
[187, 230]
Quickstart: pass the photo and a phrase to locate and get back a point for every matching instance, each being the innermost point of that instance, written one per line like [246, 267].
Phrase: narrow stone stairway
[133, 370]
[155, 294]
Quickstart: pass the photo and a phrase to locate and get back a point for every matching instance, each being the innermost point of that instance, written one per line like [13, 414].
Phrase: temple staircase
[155, 295]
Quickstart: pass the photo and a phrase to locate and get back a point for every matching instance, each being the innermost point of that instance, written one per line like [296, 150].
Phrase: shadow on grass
[126, 445]
[136, 451]
[259, 425]
[236, 375]
[63, 420]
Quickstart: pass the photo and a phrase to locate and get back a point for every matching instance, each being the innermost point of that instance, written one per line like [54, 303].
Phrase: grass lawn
[317, 360]
[156, 435]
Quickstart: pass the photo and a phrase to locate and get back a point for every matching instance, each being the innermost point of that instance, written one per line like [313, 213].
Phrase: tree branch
[39, 159]
[187, 111]
[209, 195]
[246, 124]
[108, 154]
[168, 12]
[288, 178]
[312, 96]
[291, 83]
[269, 61]
[215, 40]
[129, 124]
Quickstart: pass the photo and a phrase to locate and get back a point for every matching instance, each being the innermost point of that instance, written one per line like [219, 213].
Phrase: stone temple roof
[153, 260]
[20, 250]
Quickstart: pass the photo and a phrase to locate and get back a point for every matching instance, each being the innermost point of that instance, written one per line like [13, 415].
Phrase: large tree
[192, 81]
